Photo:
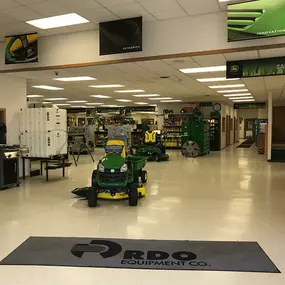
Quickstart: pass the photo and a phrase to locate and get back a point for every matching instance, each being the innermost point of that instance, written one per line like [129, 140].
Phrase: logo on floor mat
[108, 249]
[105, 248]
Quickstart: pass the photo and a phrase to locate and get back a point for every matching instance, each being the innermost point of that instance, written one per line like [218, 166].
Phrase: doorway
[3, 129]
[249, 129]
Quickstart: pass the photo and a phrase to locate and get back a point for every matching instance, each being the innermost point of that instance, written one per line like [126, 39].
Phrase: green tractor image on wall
[256, 19]
[117, 176]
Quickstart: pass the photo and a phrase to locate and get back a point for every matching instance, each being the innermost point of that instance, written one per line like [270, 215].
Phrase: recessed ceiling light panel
[232, 91]
[107, 86]
[237, 95]
[80, 101]
[141, 103]
[56, 99]
[170, 101]
[161, 98]
[204, 69]
[146, 95]
[47, 87]
[78, 78]
[245, 100]
[227, 86]
[239, 98]
[35, 96]
[58, 21]
[100, 96]
[216, 79]
[130, 91]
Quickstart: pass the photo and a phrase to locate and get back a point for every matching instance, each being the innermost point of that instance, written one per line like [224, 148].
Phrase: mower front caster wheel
[144, 176]
[133, 196]
[92, 198]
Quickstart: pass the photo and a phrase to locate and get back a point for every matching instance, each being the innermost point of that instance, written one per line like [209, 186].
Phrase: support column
[270, 122]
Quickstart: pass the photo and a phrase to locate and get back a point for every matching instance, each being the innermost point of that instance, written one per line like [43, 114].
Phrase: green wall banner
[256, 67]
[256, 19]
[259, 105]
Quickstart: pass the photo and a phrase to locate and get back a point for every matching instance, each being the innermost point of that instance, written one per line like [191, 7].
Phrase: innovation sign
[256, 19]
[256, 67]
[142, 254]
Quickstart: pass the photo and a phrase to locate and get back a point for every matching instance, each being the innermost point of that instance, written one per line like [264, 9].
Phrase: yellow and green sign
[256, 67]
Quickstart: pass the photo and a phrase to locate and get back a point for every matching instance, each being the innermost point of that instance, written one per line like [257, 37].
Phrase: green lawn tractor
[153, 147]
[117, 176]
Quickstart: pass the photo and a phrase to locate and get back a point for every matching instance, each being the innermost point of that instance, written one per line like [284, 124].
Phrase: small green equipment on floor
[195, 136]
[153, 147]
[118, 176]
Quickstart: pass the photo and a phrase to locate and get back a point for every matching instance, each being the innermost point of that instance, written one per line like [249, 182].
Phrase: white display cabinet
[44, 131]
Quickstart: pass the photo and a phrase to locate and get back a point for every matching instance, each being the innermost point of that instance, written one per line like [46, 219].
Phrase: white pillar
[270, 122]
[13, 95]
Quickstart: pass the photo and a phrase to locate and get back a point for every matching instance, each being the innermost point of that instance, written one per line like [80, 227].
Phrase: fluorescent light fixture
[239, 98]
[123, 100]
[130, 91]
[170, 101]
[48, 87]
[107, 86]
[46, 102]
[216, 79]
[204, 69]
[100, 96]
[62, 104]
[146, 95]
[232, 91]
[78, 78]
[237, 95]
[78, 106]
[227, 86]
[82, 101]
[141, 103]
[58, 21]
[161, 98]
[246, 100]
[56, 99]
[112, 106]
[91, 104]
[35, 96]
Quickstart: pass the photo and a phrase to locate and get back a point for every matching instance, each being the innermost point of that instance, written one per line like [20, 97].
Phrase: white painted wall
[12, 98]
[190, 34]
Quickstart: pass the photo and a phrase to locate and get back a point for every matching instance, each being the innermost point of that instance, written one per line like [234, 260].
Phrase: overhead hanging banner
[21, 49]
[256, 67]
[256, 19]
[258, 105]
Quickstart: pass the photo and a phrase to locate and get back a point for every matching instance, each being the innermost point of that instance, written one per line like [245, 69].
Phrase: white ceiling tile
[6, 19]
[154, 6]
[210, 60]
[19, 28]
[79, 5]
[131, 10]
[196, 7]
[83, 27]
[50, 8]
[22, 13]
[109, 3]
[98, 15]
[175, 13]
[6, 4]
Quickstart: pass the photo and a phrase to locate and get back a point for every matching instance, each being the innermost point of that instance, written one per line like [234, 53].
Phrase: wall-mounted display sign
[258, 105]
[21, 49]
[121, 36]
[256, 19]
[256, 67]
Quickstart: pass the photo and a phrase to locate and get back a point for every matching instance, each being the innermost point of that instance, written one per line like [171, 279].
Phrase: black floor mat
[246, 144]
[142, 254]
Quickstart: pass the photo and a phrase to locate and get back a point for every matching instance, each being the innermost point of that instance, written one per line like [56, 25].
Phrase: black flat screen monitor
[121, 36]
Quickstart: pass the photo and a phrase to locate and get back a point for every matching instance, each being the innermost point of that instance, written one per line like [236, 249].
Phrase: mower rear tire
[92, 198]
[144, 176]
[133, 196]
[94, 177]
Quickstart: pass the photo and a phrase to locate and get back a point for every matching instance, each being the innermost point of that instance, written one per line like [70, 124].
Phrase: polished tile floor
[227, 196]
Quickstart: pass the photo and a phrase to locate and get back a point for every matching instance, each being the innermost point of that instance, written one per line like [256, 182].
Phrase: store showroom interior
[142, 142]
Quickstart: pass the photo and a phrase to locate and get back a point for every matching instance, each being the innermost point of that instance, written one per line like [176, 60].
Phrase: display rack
[172, 130]
[100, 138]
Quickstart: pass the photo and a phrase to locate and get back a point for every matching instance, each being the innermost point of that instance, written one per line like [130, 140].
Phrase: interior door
[228, 130]
[249, 129]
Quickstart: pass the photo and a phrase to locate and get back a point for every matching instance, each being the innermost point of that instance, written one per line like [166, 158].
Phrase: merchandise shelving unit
[172, 129]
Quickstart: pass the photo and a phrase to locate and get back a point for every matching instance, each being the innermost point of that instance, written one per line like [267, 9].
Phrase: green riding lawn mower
[117, 177]
[153, 147]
